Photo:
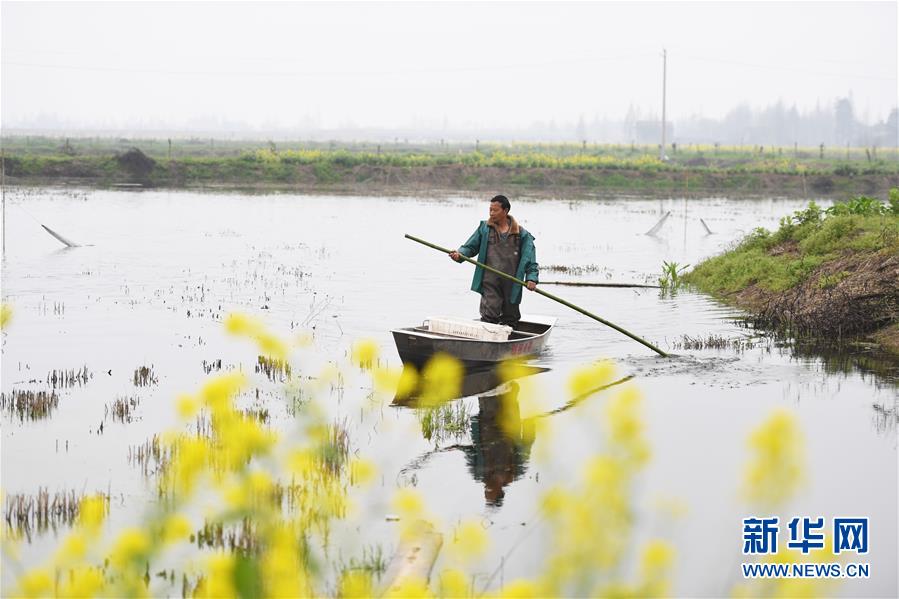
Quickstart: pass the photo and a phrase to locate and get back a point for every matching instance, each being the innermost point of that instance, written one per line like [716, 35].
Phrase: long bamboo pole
[545, 294]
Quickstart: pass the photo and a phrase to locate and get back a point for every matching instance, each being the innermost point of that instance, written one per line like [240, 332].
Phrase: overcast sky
[394, 64]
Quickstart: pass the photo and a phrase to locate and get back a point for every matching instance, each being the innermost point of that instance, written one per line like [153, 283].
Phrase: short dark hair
[503, 202]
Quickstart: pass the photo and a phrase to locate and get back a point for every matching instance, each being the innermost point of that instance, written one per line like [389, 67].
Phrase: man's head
[499, 208]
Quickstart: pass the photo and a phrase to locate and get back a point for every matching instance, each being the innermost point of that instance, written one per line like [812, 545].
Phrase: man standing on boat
[501, 243]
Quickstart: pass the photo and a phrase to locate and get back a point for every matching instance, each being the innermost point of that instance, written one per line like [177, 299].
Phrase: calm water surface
[158, 271]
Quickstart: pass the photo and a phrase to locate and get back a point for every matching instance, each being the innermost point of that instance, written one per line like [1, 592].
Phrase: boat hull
[417, 345]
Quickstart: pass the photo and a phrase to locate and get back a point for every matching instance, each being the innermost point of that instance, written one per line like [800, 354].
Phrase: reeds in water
[122, 409]
[243, 538]
[68, 378]
[715, 342]
[151, 456]
[25, 512]
[28, 404]
[275, 370]
[144, 376]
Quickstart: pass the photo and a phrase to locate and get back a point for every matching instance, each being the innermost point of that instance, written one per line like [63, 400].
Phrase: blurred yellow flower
[217, 393]
[657, 558]
[72, 549]
[219, 583]
[521, 589]
[408, 503]
[82, 582]
[356, 584]
[92, 512]
[589, 378]
[131, 545]
[777, 460]
[362, 471]
[176, 528]
[5, 315]
[453, 583]
[470, 541]
[441, 380]
[36, 583]
[187, 406]
[364, 353]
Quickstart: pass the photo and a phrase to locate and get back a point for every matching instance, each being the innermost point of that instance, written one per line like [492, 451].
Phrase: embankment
[350, 173]
[832, 275]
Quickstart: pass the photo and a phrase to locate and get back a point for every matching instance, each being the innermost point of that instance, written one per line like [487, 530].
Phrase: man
[502, 244]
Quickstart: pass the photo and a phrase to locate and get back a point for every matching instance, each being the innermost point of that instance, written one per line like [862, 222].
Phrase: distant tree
[844, 120]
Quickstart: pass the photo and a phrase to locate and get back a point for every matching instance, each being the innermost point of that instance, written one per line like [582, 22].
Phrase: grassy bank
[830, 273]
[325, 165]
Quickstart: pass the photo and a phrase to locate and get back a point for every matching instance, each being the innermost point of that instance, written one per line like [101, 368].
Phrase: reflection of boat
[416, 345]
[478, 381]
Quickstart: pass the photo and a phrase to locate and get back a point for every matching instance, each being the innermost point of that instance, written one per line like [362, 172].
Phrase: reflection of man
[501, 243]
[502, 443]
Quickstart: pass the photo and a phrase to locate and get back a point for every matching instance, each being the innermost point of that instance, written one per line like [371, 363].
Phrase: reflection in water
[474, 382]
[501, 442]
[501, 439]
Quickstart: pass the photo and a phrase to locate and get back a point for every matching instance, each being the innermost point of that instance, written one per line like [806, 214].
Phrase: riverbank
[517, 169]
[832, 275]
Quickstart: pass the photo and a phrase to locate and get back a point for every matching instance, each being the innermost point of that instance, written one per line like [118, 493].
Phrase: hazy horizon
[433, 66]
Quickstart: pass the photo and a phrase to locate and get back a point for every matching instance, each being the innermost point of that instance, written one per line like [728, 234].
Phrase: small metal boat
[416, 345]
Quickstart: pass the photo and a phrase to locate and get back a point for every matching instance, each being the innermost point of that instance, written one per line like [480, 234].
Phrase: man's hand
[532, 285]
[456, 256]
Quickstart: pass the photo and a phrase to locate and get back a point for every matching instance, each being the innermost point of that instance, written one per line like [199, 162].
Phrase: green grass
[779, 260]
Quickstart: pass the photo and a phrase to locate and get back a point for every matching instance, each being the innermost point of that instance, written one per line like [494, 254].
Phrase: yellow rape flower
[400, 382]
[188, 406]
[5, 315]
[302, 463]
[91, 513]
[218, 392]
[470, 541]
[657, 558]
[362, 471]
[241, 324]
[132, 544]
[589, 378]
[356, 583]
[774, 471]
[441, 379]
[454, 583]
[176, 528]
[408, 503]
[82, 582]
[280, 565]
[219, 583]
[363, 353]
[625, 427]
[37, 583]
[72, 549]
[522, 589]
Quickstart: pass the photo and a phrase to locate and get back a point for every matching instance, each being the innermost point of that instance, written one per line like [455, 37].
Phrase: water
[158, 271]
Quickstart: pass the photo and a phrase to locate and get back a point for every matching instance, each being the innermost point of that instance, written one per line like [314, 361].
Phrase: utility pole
[664, 74]
[3, 196]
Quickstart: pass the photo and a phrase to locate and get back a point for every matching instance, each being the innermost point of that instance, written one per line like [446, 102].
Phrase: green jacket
[527, 257]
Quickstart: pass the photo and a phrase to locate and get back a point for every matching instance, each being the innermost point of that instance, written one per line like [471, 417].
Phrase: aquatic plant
[122, 408]
[144, 376]
[25, 513]
[671, 279]
[68, 378]
[27, 404]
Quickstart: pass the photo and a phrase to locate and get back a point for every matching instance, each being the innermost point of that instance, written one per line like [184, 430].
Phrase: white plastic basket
[470, 329]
